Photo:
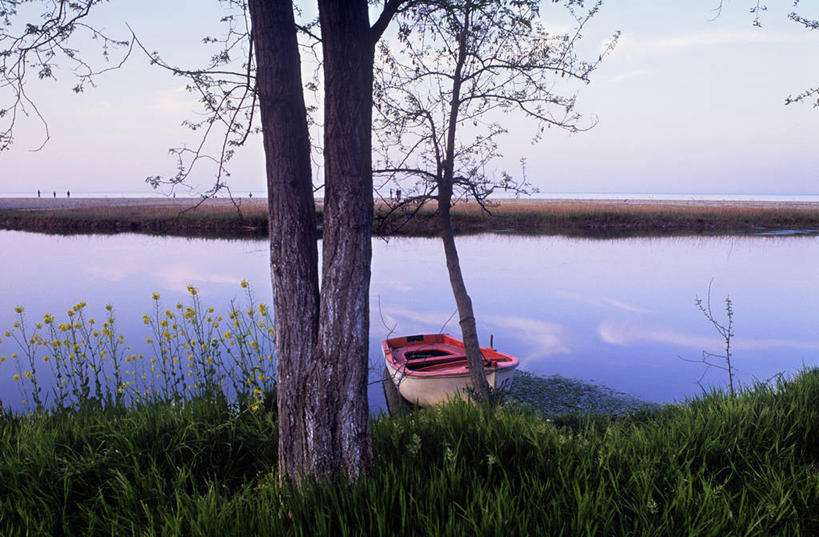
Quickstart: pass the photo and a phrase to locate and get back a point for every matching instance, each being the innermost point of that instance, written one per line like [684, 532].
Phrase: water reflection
[619, 312]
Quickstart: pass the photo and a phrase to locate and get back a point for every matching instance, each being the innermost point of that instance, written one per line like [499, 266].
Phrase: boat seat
[449, 367]
[424, 363]
[416, 363]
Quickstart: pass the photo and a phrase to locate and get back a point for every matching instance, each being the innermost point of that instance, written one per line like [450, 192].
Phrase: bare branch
[456, 65]
[36, 47]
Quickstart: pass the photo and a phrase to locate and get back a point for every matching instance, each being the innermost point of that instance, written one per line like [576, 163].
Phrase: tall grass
[717, 465]
[248, 218]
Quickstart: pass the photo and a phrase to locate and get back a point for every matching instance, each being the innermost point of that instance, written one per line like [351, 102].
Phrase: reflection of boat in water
[429, 369]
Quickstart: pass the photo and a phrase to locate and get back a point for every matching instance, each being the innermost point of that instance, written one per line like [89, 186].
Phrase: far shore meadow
[247, 217]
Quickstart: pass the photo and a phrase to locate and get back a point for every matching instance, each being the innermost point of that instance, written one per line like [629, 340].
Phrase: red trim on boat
[437, 354]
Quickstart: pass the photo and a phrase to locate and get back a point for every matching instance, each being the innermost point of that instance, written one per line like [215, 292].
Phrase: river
[617, 312]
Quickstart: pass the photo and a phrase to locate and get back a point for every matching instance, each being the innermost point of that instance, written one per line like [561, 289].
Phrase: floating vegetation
[557, 396]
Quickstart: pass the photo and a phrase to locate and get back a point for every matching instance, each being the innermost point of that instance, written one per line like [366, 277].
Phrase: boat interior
[439, 357]
[436, 352]
[431, 359]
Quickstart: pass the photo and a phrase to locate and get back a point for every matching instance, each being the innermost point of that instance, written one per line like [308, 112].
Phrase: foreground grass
[713, 466]
[590, 218]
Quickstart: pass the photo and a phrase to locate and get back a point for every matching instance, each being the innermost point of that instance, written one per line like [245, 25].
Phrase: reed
[615, 218]
[578, 217]
[716, 465]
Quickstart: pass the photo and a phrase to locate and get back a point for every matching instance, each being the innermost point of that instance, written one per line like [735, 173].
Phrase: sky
[688, 102]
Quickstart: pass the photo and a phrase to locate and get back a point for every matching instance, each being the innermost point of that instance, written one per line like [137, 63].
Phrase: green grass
[712, 466]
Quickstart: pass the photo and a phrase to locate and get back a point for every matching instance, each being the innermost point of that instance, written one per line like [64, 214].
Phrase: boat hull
[442, 375]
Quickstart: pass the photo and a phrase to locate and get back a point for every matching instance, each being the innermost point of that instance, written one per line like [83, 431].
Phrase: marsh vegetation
[594, 218]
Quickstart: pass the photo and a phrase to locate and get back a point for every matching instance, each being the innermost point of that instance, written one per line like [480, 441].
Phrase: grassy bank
[618, 218]
[220, 218]
[181, 219]
[714, 466]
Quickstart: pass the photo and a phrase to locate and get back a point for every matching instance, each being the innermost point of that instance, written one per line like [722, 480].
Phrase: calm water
[617, 312]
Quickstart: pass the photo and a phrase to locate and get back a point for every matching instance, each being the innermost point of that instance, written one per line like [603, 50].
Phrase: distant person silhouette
[55, 194]
[38, 192]
[250, 195]
[67, 194]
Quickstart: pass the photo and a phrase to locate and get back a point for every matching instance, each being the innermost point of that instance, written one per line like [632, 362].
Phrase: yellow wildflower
[155, 295]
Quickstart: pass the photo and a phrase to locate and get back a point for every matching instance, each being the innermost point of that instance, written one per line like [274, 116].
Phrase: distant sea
[539, 195]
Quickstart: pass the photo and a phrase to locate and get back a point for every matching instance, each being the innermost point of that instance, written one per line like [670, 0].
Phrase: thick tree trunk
[469, 332]
[345, 313]
[304, 446]
[322, 342]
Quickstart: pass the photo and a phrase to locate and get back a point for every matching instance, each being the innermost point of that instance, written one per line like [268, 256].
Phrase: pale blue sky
[686, 104]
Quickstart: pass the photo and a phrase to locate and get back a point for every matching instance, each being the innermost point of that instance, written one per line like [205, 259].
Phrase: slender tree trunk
[345, 313]
[469, 332]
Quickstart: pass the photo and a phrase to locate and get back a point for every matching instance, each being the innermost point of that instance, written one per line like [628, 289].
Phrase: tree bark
[322, 342]
[303, 446]
[469, 332]
[344, 319]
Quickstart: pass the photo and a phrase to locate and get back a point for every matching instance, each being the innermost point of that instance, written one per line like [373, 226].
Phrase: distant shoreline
[247, 217]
